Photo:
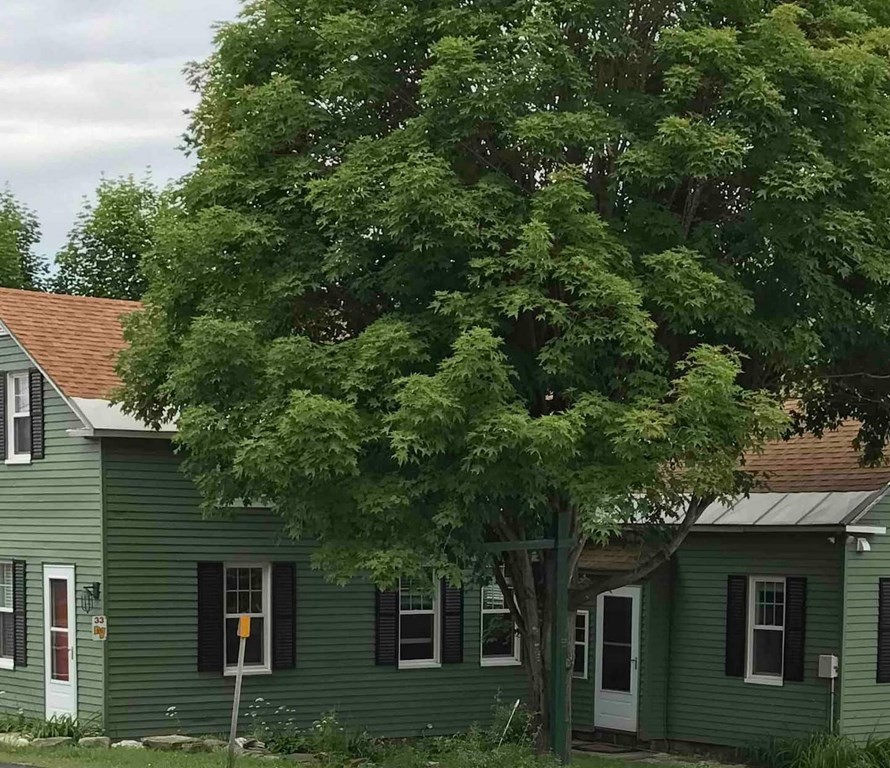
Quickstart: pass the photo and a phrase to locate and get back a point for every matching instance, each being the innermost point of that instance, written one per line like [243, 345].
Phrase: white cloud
[93, 87]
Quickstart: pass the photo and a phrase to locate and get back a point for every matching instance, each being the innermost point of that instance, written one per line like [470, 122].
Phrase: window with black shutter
[7, 616]
[883, 631]
[736, 625]
[419, 625]
[211, 618]
[284, 616]
[35, 385]
[795, 628]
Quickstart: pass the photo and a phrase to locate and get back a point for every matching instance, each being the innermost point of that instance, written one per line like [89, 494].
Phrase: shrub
[58, 725]
[825, 750]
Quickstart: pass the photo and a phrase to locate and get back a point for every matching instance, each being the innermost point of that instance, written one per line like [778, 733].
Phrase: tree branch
[658, 557]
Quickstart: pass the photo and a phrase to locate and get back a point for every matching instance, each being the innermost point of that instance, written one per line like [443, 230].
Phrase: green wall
[154, 538]
[864, 703]
[703, 704]
[51, 513]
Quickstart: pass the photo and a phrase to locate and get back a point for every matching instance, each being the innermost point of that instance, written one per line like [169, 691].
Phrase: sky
[93, 87]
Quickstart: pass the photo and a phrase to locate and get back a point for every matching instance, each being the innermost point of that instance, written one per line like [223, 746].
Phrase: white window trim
[265, 669]
[436, 661]
[584, 675]
[8, 663]
[514, 659]
[750, 677]
[11, 456]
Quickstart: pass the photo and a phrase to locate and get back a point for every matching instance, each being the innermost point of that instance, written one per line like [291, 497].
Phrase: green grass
[138, 758]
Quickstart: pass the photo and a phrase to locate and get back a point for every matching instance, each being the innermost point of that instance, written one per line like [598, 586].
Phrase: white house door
[617, 660]
[60, 640]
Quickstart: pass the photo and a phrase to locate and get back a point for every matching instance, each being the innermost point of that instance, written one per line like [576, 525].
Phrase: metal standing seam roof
[818, 508]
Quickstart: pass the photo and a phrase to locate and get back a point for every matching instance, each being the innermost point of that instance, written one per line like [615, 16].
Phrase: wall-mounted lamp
[862, 544]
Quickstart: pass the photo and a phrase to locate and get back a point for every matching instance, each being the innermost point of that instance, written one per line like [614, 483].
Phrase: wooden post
[243, 634]
[559, 642]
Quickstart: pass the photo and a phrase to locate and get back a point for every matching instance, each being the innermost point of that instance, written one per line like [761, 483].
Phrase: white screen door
[59, 640]
[617, 659]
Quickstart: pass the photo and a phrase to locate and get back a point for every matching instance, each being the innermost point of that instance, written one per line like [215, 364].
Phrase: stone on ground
[14, 740]
[128, 744]
[102, 742]
[169, 743]
[52, 742]
[214, 745]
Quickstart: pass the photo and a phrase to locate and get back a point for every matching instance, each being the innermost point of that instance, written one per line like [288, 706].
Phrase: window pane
[768, 652]
[6, 635]
[497, 635]
[492, 598]
[416, 597]
[617, 619]
[416, 637]
[21, 397]
[616, 667]
[580, 652]
[580, 628]
[253, 652]
[6, 586]
[59, 591]
[22, 434]
[60, 670]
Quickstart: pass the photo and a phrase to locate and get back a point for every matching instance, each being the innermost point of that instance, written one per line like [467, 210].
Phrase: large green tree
[446, 271]
[20, 264]
[104, 252]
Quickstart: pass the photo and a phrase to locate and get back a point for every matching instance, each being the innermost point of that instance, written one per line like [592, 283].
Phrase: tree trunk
[533, 590]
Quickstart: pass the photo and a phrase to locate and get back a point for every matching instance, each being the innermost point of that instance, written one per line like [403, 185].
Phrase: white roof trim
[865, 530]
[108, 419]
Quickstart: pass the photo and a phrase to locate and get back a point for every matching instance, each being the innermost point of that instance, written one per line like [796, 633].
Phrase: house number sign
[100, 628]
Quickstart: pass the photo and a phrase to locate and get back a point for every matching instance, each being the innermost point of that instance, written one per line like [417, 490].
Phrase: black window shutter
[452, 624]
[884, 630]
[211, 618]
[20, 612]
[387, 628]
[284, 615]
[35, 386]
[795, 628]
[4, 408]
[736, 625]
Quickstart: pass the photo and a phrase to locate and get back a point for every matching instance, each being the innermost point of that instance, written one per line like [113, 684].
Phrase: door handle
[634, 662]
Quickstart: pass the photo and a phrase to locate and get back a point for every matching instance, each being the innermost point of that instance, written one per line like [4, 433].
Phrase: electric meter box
[828, 666]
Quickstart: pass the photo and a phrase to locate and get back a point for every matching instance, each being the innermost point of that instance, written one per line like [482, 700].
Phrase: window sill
[248, 671]
[419, 665]
[774, 681]
[19, 460]
[7, 664]
[506, 661]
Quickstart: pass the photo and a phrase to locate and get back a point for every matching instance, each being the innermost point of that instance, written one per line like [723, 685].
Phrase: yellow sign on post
[243, 634]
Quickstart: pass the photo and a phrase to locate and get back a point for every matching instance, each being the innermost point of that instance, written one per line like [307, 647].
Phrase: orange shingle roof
[74, 339]
[808, 463]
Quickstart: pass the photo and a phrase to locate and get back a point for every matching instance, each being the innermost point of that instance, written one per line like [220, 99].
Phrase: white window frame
[11, 456]
[750, 677]
[7, 662]
[585, 645]
[266, 668]
[512, 660]
[436, 613]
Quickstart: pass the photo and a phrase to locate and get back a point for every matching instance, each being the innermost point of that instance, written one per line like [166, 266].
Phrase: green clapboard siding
[655, 654]
[864, 704]
[583, 688]
[705, 705]
[51, 513]
[154, 538]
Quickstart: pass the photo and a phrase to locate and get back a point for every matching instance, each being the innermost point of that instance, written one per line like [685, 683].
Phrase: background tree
[446, 272]
[20, 265]
[104, 252]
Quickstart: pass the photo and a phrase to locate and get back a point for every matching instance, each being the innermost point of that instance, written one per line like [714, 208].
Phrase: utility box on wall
[828, 666]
